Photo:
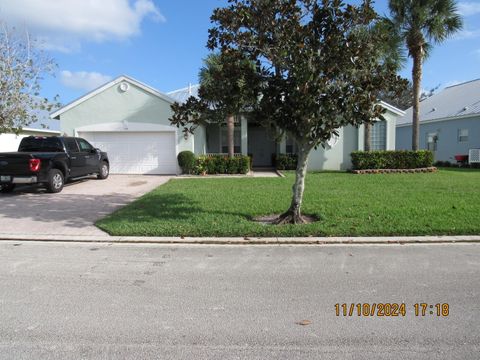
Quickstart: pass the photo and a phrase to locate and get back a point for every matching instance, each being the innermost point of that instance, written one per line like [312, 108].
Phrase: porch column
[282, 146]
[361, 138]
[244, 135]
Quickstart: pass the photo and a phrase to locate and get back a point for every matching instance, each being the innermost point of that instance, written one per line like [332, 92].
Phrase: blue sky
[162, 43]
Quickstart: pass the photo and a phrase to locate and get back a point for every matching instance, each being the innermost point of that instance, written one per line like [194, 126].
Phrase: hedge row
[218, 164]
[285, 161]
[404, 159]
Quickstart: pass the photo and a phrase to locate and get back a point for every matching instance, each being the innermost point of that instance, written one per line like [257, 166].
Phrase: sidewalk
[247, 240]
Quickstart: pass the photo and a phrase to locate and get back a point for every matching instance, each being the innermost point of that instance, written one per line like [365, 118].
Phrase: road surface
[101, 301]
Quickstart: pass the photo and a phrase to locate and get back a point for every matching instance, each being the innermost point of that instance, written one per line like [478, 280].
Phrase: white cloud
[63, 25]
[469, 8]
[467, 34]
[83, 80]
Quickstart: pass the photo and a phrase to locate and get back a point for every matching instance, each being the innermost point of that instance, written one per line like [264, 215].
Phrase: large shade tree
[422, 23]
[229, 86]
[320, 69]
[23, 64]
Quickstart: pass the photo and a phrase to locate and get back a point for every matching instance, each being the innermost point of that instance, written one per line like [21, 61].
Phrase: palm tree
[229, 84]
[421, 23]
[391, 53]
[208, 77]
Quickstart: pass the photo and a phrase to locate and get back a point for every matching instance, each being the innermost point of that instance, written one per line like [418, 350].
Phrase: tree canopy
[229, 85]
[319, 65]
[420, 24]
[22, 67]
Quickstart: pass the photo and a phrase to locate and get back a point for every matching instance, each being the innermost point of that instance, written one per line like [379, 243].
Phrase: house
[9, 142]
[449, 122]
[130, 120]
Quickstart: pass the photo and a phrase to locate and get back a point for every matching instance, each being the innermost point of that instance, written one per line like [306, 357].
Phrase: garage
[137, 152]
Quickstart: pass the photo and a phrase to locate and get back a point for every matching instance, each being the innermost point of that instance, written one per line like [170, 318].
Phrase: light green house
[130, 121]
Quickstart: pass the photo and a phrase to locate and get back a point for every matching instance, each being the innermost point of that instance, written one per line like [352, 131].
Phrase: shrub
[405, 159]
[244, 164]
[286, 161]
[231, 165]
[220, 164]
[186, 161]
[201, 165]
[210, 165]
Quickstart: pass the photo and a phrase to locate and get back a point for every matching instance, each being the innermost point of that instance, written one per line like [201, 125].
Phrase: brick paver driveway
[31, 211]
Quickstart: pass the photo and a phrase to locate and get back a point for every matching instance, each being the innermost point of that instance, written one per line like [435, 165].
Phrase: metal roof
[453, 102]
[181, 95]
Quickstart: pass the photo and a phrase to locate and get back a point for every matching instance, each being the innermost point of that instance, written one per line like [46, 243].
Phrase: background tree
[389, 52]
[228, 87]
[402, 100]
[421, 23]
[22, 67]
[320, 71]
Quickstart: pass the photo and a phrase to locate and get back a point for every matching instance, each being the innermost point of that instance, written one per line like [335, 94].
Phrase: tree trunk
[368, 140]
[417, 80]
[294, 215]
[230, 136]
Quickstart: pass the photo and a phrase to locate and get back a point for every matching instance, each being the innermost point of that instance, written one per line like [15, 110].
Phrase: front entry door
[260, 146]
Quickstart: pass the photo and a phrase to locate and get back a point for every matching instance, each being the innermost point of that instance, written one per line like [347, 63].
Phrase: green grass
[443, 203]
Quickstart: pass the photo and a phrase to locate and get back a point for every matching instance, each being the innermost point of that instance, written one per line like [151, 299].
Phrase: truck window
[40, 144]
[71, 145]
[84, 145]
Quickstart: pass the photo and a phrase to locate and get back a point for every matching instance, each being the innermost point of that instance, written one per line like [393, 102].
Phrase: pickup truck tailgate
[15, 163]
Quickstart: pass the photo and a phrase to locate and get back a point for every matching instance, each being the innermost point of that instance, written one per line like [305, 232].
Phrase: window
[462, 135]
[40, 143]
[237, 139]
[432, 139]
[84, 145]
[71, 145]
[290, 145]
[378, 135]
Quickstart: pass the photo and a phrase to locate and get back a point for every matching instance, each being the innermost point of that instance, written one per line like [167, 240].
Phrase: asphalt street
[119, 301]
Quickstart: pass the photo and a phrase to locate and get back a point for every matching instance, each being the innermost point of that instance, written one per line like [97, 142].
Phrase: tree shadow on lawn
[167, 207]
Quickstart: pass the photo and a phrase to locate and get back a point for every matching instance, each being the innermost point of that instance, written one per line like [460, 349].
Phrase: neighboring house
[9, 142]
[130, 120]
[449, 122]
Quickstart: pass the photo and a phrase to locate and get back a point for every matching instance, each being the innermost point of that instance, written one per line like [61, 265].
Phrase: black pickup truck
[51, 161]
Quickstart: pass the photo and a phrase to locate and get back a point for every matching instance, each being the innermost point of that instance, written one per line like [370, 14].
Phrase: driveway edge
[247, 240]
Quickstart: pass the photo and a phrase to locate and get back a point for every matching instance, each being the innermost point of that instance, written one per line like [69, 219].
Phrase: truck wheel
[7, 188]
[55, 181]
[104, 171]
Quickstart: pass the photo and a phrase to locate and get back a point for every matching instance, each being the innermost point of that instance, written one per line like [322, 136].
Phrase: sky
[162, 42]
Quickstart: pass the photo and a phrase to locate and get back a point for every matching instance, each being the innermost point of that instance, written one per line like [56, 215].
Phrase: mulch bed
[395, 171]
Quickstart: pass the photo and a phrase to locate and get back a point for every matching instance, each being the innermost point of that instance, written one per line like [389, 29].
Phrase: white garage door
[137, 152]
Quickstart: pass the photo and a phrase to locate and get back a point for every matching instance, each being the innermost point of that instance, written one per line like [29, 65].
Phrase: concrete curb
[246, 240]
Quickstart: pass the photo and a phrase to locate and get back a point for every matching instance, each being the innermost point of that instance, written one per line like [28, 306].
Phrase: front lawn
[443, 203]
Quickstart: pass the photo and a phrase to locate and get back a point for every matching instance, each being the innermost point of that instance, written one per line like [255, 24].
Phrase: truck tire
[104, 171]
[7, 188]
[56, 181]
